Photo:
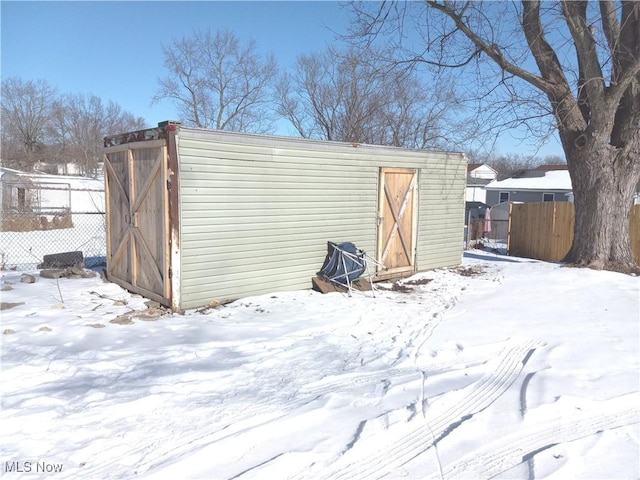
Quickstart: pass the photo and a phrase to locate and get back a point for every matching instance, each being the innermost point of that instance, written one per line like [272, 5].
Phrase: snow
[552, 180]
[506, 368]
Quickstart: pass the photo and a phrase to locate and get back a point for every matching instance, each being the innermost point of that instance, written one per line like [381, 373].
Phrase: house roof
[548, 168]
[473, 166]
[550, 180]
[4, 170]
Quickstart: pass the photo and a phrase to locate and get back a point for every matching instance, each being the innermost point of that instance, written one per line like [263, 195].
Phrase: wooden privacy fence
[545, 230]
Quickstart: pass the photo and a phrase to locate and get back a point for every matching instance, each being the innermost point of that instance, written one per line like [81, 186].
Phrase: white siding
[476, 193]
[484, 172]
[256, 211]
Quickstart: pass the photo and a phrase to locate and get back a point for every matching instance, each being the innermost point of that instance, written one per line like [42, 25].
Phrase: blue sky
[113, 49]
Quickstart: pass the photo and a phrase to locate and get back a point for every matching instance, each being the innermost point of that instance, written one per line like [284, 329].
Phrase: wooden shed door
[137, 216]
[397, 216]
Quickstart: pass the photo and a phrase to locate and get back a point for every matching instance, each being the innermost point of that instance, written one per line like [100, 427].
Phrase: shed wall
[256, 212]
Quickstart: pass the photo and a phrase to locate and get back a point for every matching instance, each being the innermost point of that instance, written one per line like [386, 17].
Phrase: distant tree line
[41, 127]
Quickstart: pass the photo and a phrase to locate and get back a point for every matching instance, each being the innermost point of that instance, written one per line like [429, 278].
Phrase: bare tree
[26, 109]
[347, 96]
[578, 61]
[216, 82]
[80, 123]
[39, 125]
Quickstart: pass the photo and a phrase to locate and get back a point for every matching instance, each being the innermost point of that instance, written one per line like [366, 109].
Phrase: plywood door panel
[149, 229]
[118, 214]
[397, 210]
[138, 243]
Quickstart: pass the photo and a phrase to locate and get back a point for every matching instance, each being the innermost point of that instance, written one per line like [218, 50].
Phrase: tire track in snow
[517, 448]
[353, 380]
[244, 419]
[262, 413]
[444, 415]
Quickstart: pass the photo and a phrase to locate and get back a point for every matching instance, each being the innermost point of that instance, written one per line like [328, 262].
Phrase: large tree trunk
[604, 181]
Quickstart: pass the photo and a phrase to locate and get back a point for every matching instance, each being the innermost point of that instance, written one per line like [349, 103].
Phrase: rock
[122, 320]
[6, 288]
[27, 278]
[61, 260]
[52, 273]
[95, 325]
[79, 272]
[44, 328]
[76, 270]
[8, 331]
[152, 304]
[150, 315]
[70, 272]
[8, 305]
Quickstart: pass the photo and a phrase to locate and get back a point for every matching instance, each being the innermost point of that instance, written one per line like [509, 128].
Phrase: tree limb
[589, 92]
[611, 30]
[491, 49]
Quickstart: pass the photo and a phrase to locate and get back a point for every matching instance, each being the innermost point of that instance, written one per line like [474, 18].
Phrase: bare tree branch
[216, 82]
[492, 50]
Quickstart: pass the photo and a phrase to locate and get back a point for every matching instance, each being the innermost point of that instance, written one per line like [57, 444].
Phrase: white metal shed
[198, 215]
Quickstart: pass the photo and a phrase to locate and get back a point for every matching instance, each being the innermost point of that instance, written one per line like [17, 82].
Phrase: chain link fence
[491, 231]
[39, 218]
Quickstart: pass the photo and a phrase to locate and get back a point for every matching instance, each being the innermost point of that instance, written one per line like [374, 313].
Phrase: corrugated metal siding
[256, 212]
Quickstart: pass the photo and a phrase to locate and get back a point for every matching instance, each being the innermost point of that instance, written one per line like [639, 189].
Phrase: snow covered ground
[506, 368]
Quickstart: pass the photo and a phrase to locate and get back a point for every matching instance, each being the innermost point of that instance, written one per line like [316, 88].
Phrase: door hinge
[170, 273]
[168, 184]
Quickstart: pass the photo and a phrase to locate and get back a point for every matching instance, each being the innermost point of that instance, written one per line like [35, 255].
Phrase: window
[548, 197]
[504, 197]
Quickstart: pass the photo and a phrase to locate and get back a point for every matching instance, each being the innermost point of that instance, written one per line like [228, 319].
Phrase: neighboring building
[39, 194]
[547, 183]
[68, 168]
[478, 176]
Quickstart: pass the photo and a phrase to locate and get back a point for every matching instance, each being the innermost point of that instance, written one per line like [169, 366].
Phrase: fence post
[509, 229]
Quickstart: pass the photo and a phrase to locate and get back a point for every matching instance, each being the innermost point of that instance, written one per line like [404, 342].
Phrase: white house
[478, 176]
